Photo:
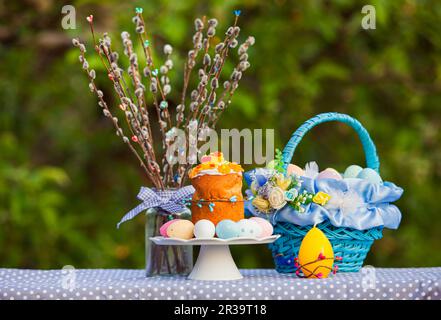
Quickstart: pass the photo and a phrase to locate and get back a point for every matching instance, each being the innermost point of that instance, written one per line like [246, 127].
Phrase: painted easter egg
[370, 175]
[293, 169]
[182, 229]
[227, 229]
[316, 256]
[163, 229]
[329, 173]
[204, 229]
[249, 228]
[265, 225]
[352, 171]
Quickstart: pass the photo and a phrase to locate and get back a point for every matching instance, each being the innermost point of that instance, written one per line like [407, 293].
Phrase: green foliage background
[66, 179]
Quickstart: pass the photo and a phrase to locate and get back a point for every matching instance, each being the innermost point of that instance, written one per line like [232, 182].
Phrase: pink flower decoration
[319, 275]
[90, 18]
[321, 256]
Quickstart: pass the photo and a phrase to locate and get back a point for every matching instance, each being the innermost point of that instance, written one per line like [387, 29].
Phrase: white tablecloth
[260, 284]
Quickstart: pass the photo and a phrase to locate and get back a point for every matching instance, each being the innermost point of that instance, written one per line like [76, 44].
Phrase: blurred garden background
[66, 179]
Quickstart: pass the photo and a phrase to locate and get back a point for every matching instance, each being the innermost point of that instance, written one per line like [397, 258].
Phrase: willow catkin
[198, 24]
[168, 49]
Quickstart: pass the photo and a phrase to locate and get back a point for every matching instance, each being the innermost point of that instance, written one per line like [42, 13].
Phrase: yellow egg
[316, 247]
[182, 229]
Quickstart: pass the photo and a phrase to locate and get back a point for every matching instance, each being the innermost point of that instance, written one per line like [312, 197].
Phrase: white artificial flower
[276, 198]
[346, 202]
[311, 170]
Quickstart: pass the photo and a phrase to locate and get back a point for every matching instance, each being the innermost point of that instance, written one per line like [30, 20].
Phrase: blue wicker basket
[350, 244]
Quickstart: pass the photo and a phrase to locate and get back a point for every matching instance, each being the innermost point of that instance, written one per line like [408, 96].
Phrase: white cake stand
[214, 261]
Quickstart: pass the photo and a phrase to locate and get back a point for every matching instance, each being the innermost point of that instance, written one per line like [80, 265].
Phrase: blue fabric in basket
[354, 203]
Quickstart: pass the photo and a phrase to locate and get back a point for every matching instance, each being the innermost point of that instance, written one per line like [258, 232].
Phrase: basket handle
[370, 151]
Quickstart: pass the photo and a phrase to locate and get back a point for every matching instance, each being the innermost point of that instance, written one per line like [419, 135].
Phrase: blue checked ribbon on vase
[168, 200]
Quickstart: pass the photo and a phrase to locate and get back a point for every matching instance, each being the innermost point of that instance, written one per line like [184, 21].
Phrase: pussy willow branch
[155, 85]
[191, 62]
[133, 120]
[112, 68]
[215, 75]
[233, 83]
[139, 93]
[204, 108]
[200, 113]
[217, 65]
[121, 90]
[143, 33]
[103, 104]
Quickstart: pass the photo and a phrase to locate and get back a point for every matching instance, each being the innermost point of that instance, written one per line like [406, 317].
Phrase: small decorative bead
[138, 10]
[163, 105]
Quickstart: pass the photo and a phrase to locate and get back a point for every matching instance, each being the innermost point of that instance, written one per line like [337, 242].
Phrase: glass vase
[165, 260]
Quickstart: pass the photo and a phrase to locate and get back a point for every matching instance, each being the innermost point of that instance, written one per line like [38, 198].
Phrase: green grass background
[66, 179]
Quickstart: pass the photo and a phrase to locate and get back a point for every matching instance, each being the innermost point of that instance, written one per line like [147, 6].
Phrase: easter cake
[218, 190]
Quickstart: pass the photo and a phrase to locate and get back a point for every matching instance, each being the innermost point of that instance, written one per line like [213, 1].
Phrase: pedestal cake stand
[214, 261]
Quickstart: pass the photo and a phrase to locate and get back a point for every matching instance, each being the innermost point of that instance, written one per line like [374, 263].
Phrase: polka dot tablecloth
[260, 284]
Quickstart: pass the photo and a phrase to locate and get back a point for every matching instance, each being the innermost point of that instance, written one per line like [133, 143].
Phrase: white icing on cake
[215, 172]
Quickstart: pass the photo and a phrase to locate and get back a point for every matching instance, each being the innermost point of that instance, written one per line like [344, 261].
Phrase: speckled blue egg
[370, 175]
[227, 229]
[249, 228]
[352, 171]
